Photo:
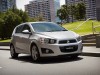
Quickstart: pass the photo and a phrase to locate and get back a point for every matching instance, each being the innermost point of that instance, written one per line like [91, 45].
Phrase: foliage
[10, 19]
[66, 12]
[22, 14]
[60, 14]
[80, 11]
[1, 27]
[73, 11]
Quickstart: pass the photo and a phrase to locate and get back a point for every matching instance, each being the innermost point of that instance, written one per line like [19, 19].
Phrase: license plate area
[69, 48]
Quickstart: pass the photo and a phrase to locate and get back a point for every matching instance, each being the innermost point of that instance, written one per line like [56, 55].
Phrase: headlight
[79, 38]
[47, 41]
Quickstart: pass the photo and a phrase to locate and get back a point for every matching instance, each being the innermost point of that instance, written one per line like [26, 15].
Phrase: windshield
[47, 27]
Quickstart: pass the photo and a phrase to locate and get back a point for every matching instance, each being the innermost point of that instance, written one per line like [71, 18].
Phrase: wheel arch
[32, 43]
[11, 44]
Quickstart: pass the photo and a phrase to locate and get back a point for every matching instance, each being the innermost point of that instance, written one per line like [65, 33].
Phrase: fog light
[46, 51]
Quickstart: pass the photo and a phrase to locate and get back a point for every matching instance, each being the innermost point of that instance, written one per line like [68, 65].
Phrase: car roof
[37, 22]
[34, 23]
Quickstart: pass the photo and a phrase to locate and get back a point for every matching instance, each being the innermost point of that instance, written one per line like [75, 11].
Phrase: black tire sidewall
[14, 55]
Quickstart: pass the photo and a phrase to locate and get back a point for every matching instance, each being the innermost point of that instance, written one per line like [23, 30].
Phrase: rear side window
[19, 29]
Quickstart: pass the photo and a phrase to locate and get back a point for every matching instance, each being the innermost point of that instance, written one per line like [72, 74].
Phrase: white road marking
[0, 67]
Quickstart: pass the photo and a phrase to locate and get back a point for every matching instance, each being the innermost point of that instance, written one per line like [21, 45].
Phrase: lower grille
[69, 48]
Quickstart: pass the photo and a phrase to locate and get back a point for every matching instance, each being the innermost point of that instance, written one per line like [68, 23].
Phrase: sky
[21, 3]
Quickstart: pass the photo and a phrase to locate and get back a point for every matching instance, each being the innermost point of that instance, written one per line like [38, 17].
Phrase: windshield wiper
[64, 30]
[56, 30]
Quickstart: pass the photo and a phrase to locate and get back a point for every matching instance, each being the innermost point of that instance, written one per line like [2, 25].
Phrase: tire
[35, 53]
[12, 52]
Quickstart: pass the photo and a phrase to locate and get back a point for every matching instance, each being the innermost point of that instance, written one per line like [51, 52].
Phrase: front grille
[69, 48]
[67, 41]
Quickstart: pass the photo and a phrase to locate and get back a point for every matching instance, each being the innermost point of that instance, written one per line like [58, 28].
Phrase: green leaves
[63, 13]
[80, 11]
[72, 11]
[10, 19]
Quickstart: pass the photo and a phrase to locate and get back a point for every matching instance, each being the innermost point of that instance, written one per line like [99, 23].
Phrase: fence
[96, 29]
[85, 27]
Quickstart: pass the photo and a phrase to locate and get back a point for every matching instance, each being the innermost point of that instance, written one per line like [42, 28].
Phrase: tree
[10, 21]
[1, 25]
[23, 14]
[75, 11]
[72, 11]
[66, 9]
[61, 14]
[1, 28]
[80, 11]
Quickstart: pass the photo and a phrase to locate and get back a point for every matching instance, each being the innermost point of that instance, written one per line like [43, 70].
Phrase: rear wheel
[35, 53]
[12, 52]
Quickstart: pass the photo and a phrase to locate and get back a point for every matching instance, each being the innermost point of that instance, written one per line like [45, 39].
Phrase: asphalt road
[84, 65]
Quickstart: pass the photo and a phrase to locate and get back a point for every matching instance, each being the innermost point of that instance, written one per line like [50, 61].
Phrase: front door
[25, 39]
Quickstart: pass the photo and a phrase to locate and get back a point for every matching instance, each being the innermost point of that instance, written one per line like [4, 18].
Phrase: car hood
[60, 34]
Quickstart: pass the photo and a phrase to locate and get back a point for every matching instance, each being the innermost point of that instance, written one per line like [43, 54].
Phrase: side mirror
[26, 32]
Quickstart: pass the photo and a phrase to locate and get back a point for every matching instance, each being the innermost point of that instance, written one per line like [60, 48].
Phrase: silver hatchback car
[44, 39]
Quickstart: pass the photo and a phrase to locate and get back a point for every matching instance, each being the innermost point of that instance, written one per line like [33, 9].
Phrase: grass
[86, 28]
[7, 40]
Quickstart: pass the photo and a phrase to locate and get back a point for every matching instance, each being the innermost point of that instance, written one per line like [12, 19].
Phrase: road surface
[84, 65]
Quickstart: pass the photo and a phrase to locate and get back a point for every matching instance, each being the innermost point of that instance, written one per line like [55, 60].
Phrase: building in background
[57, 6]
[6, 4]
[46, 8]
[11, 3]
[98, 9]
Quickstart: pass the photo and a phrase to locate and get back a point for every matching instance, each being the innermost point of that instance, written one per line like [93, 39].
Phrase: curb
[4, 49]
[90, 54]
[4, 43]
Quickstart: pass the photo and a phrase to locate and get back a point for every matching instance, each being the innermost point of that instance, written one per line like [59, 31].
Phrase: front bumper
[61, 49]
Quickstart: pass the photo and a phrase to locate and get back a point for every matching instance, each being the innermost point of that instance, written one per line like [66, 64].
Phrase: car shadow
[48, 60]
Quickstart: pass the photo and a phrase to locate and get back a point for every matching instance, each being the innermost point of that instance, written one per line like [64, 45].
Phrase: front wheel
[35, 53]
[12, 52]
